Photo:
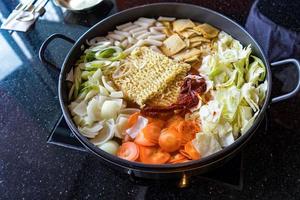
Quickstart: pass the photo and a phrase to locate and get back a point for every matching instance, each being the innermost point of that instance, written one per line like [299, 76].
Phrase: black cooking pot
[177, 10]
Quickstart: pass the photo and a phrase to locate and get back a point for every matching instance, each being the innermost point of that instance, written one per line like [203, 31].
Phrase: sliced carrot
[180, 161]
[132, 119]
[169, 140]
[187, 137]
[152, 132]
[191, 151]
[128, 151]
[153, 155]
[142, 140]
[178, 158]
[188, 129]
[174, 120]
[184, 153]
[187, 126]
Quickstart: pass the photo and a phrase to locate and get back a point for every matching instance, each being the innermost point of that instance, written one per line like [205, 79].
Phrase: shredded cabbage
[239, 89]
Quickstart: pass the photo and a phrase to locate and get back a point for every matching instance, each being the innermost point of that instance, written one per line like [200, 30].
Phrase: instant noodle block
[148, 74]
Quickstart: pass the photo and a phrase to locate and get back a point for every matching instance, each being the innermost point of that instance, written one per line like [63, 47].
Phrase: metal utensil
[29, 16]
[18, 10]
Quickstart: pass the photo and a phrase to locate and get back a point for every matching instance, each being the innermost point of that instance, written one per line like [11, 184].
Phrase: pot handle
[45, 45]
[297, 88]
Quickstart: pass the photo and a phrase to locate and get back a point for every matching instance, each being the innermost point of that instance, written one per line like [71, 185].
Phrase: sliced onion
[103, 91]
[97, 63]
[97, 75]
[71, 91]
[70, 75]
[80, 109]
[120, 127]
[100, 46]
[93, 131]
[115, 64]
[90, 95]
[137, 127]
[101, 99]
[95, 41]
[106, 133]
[110, 147]
[71, 107]
[118, 94]
[94, 110]
[107, 85]
[110, 109]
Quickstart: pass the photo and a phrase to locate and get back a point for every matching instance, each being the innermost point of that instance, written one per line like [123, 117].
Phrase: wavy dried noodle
[169, 95]
[149, 74]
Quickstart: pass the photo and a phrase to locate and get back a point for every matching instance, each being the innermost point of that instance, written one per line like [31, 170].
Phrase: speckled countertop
[29, 108]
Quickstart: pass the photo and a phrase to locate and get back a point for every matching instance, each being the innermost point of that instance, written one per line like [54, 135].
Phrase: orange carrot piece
[191, 151]
[142, 140]
[128, 151]
[169, 140]
[183, 152]
[188, 129]
[178, 158]
[153, 155]
[152, 132]
[188, 126]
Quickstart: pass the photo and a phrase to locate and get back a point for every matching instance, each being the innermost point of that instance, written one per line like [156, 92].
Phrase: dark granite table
[29, 108]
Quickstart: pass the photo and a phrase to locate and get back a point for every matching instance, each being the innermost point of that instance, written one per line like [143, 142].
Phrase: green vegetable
[97, 64]
[239, 91]
[256, 72]
[229, 82]
[107, 53]
[89, 56]
[230, 99]
[250, 95]
[112, 52]
[77, 81]
[86, 74]
[88, 88]
[81, 60]
[120, 56]
[262, 90]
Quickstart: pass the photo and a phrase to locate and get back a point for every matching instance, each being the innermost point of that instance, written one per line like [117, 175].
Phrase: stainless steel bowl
[78, 5]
